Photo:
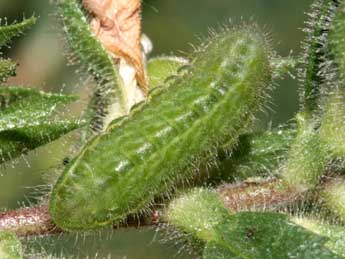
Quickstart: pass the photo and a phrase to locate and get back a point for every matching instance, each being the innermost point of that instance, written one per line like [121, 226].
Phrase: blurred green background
[174, 26]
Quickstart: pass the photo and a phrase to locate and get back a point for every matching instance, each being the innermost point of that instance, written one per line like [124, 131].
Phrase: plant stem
[28, 221]
[263, 195]
[36, 221]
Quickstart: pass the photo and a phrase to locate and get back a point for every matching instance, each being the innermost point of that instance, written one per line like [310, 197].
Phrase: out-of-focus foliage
[27, 120]
[10, 246]
[169, 24]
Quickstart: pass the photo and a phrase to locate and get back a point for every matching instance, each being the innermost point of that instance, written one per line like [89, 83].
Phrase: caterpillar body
[144, 154]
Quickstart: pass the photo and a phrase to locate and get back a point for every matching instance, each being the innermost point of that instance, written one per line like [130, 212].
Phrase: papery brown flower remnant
[117, 24]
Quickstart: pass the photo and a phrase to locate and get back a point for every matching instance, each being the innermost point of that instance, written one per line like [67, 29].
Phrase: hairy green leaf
[333, 126]
[307, 158]
[7, 32]
[214, 250]
[315, 53]
[270, 235]
[21, 108]
[14, 143]
[28, 119]
[247, 235]
[257, 154]
[162, 68]
[109, 100]
[334, 234]
[10, 246]
[199, 213]
[7, 69]
[333, 197]
[336, 38]
[332, 131]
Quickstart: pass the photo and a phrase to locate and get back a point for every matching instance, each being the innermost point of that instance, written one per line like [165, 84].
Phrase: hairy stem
[264, 195]
[28, 221]
[258, 195]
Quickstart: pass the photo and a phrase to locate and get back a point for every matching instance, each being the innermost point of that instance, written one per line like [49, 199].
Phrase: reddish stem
[240, 197]
[28, 221]
[258, 195]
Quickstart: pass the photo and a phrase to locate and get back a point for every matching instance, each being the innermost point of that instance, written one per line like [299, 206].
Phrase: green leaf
[270, 235]
[315, 53]
[333, 197]
[28, 119]
[332, 130]
[333, 126]
[336, 38]
[335, 234]
[14, 143]
[7, 32]
[247, 235]
[110, 96]
[10, 95]
[257, 154]
[161, 68]
[28, 108]
[307, 158]
[198, 213]
[213, 250]
[7, 69]
[10, 246]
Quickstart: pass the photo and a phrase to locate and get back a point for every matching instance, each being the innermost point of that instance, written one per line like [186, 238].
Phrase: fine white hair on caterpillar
[158, 144]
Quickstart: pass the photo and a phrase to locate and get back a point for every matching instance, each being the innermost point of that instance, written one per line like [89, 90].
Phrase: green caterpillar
[162, 140]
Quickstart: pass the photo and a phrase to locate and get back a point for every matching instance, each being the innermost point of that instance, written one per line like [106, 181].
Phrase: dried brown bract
[117, 24]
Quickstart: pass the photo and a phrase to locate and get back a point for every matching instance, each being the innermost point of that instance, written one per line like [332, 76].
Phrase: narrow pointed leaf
[29, 118]
[7, 32]
[333, 126]
[110, 98]
[7, 69]
[315, 53]
[28, 108]
[14, 143]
